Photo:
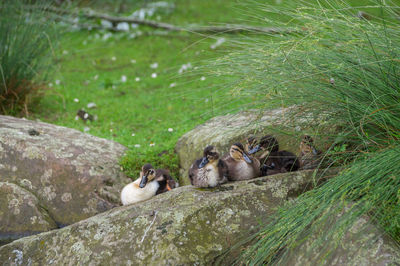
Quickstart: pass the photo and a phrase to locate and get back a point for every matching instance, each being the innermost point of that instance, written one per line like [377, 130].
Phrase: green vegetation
[25, 49]
[345, 70]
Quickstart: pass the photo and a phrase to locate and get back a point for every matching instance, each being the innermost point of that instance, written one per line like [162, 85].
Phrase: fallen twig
[228, 28]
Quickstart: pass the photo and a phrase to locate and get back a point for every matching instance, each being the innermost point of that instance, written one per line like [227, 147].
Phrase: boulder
[363, 244]
[223, 131]
[185, 226]
[55, 176]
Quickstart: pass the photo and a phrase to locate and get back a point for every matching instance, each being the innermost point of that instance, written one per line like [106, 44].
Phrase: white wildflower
[50, 84]
[154, 65]
[172, 85]
[76, 100]
[133, 61]
[57, 82]
[65, 52]
[133, 134]
[170, 129]
[203, 78]
[154, 75]
[113, 58]
[76, 118]
[152, 144]
[124, 78]
[137, 79]
[137, 145]
[96, 77]
[123, 26]
[184, 67]
[91, 105]
[218, 43]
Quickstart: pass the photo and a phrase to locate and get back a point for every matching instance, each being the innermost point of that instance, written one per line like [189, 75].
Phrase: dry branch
[228, 28]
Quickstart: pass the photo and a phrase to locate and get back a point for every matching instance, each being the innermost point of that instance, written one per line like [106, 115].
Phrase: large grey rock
[223, 131]
[54, 175]
[362, 244]
[186, 226]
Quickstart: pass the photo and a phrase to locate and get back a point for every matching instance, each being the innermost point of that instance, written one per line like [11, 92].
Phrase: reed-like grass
[345, 69]
[26, 44]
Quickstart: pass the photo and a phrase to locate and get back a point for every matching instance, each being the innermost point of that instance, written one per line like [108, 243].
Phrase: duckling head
[251, 142]
[267, 143]
[147, 175]
[307, 145]
[238, 153]
[210, 155]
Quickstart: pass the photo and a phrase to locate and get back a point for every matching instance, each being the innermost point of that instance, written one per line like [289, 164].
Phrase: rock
[21, 214]
[185, 226]
[363, 244]
[56, 174]
[223, 131]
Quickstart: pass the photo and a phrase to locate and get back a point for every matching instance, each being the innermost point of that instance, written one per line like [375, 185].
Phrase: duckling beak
[247, 158]
[203, 162]
[143, 182]
[255, 149]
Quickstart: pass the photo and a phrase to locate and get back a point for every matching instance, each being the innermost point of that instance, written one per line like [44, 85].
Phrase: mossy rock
[70, 175]
[185, 226]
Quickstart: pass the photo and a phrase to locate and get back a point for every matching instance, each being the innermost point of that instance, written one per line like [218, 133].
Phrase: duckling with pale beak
[208, 171]
[310, 157]
[150, 183]
[241, 166]
[273, 160]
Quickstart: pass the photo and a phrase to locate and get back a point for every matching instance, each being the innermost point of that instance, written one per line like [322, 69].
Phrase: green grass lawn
[148, 116]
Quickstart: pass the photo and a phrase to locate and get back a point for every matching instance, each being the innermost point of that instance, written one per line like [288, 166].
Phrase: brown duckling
[208, 171]
[273, 160]
[240, 165]
[146, 186]
[309, 156]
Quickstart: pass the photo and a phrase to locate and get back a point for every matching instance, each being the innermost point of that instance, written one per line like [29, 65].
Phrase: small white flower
[96, 77]
[133, 61]
[137, 79]
[218, 43]
[124, 78]
[76, 100]
[113, 58]
[154, 65]
[76, 118]
[154, 75]
[152, 144]
[50, 84]
[172, 85]
[86, 129]
[57, 82]
[203, 78]
[123, 26]
[65, 52]
[133, 134]
[137, 145]
[91, 105]
[170, 129]
[184, 67]
[111, 130]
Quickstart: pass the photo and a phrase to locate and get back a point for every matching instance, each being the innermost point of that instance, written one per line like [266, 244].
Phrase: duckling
[273, 160]
[146, 186]
[240, 165]
[310, 157]
[167, 184]
[208, 171]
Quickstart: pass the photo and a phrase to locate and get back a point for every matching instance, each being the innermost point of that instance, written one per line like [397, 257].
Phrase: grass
[345, 70]
[25, 50]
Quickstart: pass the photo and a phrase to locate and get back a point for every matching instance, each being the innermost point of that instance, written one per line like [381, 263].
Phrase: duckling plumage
[273, 161]
[208, 171]
[241, 166]
[150, 183]
[309, 156]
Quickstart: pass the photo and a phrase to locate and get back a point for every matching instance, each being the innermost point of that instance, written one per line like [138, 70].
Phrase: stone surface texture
[185, 226]
[53, 176]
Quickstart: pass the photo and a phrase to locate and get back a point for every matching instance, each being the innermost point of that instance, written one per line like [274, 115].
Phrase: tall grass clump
[346, 69]
[26, 43]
